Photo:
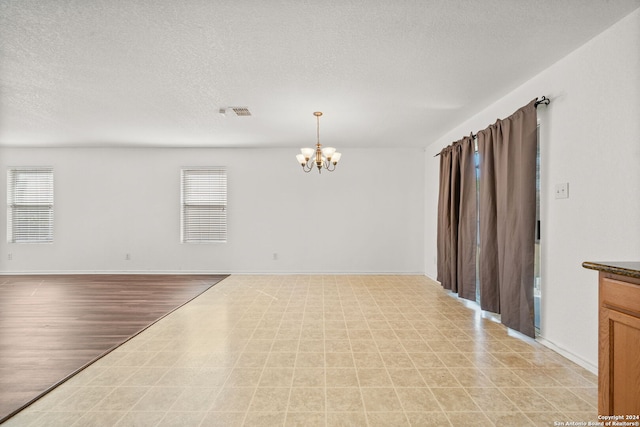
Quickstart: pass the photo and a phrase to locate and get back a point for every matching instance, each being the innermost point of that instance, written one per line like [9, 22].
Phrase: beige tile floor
[323, 351]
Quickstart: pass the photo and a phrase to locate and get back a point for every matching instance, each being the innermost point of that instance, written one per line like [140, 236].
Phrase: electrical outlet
[127, 257]
[275, 256]
[9, 256]
[562, 190]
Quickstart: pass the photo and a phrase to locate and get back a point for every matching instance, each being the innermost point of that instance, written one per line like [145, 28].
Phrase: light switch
[562, 190]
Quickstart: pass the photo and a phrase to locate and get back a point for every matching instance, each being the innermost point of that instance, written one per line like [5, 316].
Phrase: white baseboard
[569, 355]
[104, 272]
[195, 272]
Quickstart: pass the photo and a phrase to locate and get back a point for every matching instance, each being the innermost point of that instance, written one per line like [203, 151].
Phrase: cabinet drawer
[620, 295]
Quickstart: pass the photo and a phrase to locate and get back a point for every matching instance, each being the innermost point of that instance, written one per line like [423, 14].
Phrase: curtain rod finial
[544, 100]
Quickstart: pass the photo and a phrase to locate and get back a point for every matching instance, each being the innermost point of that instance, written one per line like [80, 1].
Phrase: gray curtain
[457, 213]
[507, 151]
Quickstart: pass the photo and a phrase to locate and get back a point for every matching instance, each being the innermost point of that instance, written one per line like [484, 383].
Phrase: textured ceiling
[385, 73]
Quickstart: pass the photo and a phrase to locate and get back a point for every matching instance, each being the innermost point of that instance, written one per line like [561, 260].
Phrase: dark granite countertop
[623, 268]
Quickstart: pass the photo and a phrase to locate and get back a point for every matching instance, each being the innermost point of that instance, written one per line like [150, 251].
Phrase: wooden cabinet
[619, 342]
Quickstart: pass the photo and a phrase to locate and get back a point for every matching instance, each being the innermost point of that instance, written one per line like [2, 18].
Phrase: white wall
[365, 217]
[590, 138]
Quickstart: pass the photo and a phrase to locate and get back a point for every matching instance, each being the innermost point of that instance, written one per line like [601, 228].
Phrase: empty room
[305, 213]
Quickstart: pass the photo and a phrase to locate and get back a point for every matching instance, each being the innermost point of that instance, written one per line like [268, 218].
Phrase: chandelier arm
[328, 166]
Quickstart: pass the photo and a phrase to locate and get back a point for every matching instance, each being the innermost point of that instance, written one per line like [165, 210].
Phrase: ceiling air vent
[241, 111]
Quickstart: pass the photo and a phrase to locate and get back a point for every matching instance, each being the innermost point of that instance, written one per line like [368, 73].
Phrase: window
[204, 205]
[30, 205]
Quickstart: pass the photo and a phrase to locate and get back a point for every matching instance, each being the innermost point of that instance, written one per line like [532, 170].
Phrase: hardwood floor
[53, 326]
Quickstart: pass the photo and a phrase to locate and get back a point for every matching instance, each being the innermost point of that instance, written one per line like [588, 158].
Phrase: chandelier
[326, 157]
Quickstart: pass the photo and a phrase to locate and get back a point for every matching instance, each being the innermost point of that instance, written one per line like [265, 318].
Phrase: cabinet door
[624, 363]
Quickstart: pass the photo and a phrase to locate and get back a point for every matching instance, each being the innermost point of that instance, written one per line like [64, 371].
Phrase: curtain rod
[544, 100]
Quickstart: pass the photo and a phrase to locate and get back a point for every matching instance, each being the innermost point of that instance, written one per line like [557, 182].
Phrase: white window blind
[30, 205]
[204, 205]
